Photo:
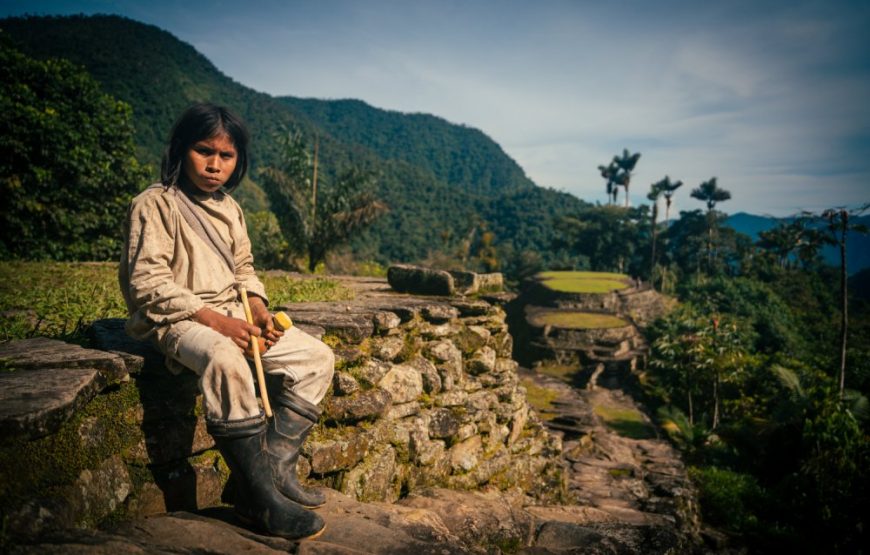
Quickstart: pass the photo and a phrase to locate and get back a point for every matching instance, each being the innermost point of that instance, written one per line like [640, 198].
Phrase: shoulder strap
[202, 226]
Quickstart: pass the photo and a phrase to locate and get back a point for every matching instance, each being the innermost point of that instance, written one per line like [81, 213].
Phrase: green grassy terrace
[584, 282]
[61, 299]
[573, 319]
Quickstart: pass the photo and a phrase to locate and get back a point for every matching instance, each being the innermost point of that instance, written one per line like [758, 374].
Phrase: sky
[770, 97]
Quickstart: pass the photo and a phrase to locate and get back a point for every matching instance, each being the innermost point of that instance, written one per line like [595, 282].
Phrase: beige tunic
[168, 272]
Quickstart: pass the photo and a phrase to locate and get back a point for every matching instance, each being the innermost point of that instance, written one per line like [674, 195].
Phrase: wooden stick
[255, 348]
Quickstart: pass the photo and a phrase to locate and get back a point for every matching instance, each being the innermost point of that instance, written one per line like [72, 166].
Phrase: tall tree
[618, 174]
[710, 193]
[317, 217]
[655, 192]
[609, 172]
[68, 169]
[668, 190]
[838, 228]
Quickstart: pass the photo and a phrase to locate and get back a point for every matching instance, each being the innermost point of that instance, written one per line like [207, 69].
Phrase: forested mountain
[441, 181]
[859, 243]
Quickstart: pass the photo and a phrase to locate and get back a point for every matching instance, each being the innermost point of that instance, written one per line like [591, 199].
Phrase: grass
[584, 282]
[540, 398]
[625, 421]
[283, 289]
[60, 299]
[578, 320]
[563, 372]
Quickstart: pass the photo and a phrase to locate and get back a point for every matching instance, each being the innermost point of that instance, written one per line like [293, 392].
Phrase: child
[186, 256]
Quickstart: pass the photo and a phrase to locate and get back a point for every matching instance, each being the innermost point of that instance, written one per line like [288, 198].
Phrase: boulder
[406, 278]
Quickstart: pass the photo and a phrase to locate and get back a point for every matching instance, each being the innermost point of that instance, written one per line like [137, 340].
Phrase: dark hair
[200, 121]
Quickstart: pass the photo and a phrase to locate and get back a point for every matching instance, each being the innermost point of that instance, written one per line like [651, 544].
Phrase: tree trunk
[627, 202]
[652, 264]
[844, 301]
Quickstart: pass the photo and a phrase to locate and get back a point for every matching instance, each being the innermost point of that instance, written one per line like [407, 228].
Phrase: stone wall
[425, 394]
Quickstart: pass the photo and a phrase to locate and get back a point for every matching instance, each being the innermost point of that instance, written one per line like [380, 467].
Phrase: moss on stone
[41, 467]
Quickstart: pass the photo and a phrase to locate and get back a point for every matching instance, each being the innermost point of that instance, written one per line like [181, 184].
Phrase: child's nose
[213, 163]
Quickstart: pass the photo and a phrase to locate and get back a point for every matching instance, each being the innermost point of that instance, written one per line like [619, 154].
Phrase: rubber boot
[243, 445]
[291, 424]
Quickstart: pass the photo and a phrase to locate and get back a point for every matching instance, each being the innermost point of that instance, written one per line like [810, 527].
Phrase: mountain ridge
[440, 179]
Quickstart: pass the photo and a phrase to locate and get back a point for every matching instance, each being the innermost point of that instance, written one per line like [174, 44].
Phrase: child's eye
[227, 156]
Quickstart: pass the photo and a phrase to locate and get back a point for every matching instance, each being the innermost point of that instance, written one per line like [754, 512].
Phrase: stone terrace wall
[425, 394]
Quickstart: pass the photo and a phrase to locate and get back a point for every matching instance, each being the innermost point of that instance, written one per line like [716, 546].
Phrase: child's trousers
[304, 364]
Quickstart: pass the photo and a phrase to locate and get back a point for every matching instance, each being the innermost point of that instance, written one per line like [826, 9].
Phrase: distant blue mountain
[858, 245]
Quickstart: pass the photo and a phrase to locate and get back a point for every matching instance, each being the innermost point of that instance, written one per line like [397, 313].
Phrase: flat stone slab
[41, 352]
[406, 278]
[34, 403]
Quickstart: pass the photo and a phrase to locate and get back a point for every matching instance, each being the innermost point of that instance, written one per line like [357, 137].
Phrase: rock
[491, 283]
[439, 313]
[348, 356]
[364, 405]
[34, 403]
[481, 361]
[42, 353]
[448, 359]
[473, 338]
[375, 479]
[332, 455]
[387, 348]
[479, 518]
[404, 383]
[404, 410]
[371, 372]
[171, 439]
[405, 278]
[109, 335]
[350, 326]
[343, 384]
[455, 398]
[385, 321]
[95, 494]
[443, 423]
[469, 307]
[429, 374]
[424, 451]
[465, 455]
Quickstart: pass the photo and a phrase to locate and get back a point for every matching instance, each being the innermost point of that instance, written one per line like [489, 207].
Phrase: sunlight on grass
[284, 289]
[540, 398]
[625, 421]
[563, 372]
[576, 320]
[584, 282]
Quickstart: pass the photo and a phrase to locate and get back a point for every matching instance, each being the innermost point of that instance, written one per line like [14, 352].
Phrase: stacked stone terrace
[590, 320]
[425, 395]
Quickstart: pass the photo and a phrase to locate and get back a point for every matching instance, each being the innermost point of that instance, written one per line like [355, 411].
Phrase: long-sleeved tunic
[168, 272]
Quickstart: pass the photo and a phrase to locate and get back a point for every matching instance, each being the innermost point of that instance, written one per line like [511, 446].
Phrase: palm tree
[710, 193]
[618, 174]
[655, 191]
[838, 230]
[316, 217]
[668, 190]
[609, 173]
[626, 164]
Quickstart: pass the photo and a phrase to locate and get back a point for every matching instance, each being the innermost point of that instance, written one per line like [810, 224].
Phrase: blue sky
[770, 97]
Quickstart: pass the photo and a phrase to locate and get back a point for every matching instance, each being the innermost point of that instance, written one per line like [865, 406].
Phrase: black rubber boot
[243, 445]
[293, 419]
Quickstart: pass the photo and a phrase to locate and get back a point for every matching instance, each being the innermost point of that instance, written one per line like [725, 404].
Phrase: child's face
[210, 162]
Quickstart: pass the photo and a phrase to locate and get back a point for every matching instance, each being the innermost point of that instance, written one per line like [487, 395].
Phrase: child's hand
[237, 330]
[263, 318]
